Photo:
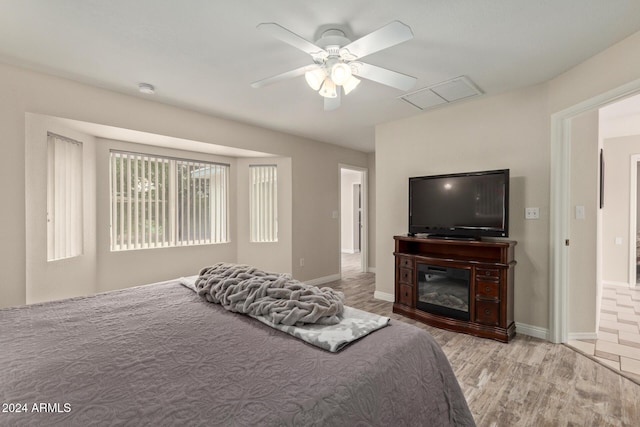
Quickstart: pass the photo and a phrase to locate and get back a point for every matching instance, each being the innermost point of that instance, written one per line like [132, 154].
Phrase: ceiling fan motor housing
[333, 37]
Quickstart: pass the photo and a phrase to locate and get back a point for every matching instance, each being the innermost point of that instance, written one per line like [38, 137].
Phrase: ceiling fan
[336, 60]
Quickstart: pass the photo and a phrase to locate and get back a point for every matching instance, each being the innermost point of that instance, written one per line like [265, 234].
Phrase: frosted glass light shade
[315, 78]
[328, 89]
[350, 85]
[340, 73]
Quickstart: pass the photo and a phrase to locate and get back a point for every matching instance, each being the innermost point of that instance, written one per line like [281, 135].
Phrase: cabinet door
[405, 276]
[488, 313]
[487, 290]
[406, 295]
[405, 262]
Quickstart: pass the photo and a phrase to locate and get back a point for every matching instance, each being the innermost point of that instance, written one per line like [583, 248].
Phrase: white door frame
[356, 214]
[633, 212]
[560, 209]
[364, 191]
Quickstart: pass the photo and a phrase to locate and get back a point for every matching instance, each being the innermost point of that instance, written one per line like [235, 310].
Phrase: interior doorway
[353, 216]
[616, 336]
[560, 208]
[620, 139]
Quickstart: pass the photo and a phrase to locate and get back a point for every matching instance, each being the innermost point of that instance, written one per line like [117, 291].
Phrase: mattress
[160, 355]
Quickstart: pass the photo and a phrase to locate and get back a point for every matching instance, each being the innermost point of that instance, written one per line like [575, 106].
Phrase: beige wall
[508, 130]
[583, 232]
[315, 166]
[610, 69]
[44, 280]
[615, 215]
[620, 126]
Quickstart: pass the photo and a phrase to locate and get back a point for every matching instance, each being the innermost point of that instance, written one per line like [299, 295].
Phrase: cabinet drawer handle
[487, 311]
[487, 289]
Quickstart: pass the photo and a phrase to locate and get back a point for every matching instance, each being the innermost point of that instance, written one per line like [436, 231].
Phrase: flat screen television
[460, 205]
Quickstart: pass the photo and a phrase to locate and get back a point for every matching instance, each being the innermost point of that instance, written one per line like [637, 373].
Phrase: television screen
[472, 204]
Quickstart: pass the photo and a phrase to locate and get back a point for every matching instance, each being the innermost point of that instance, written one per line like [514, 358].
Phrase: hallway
[351, 264]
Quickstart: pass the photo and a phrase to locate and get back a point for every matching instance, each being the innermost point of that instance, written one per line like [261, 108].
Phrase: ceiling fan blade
[390, 35]
[384, 76]
[283, 76]
[333, 103]
[293, 39]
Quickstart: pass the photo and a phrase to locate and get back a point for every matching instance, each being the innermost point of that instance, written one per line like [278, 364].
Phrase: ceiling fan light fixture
[328, 89]
[315, 78]
[334, 60]
[340, 73]
[350, 85]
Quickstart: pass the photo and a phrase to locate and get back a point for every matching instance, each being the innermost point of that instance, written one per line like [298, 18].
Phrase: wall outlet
[618, 240]
[580, 212]
[531, 213]
[301, 262]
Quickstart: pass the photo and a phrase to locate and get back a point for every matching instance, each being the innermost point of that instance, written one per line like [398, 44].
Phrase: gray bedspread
[160, 355]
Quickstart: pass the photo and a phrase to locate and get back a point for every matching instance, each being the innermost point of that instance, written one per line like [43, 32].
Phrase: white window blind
[202, 207]
[64, 197]
[263, 203]
[160, 201]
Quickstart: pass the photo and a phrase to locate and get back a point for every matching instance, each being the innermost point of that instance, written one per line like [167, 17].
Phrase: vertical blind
[202, 206]
[263, 203]
[159, 201]
[64, 197]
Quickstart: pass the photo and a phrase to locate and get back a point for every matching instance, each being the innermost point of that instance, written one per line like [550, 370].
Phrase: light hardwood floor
[528, 382]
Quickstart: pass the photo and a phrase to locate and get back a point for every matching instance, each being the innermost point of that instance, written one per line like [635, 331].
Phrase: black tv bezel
[462, 232]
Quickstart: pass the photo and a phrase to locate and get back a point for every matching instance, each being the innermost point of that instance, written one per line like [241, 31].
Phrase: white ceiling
[203, 54]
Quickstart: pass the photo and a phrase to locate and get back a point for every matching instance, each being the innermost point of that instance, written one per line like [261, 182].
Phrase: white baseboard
[532, 331]
[348, 251]
[583, 335]
[323, 280]
[612, 283]
[384, 296]
[542, 333]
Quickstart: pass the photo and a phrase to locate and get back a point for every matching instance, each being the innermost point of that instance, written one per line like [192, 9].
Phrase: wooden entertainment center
[490, 265]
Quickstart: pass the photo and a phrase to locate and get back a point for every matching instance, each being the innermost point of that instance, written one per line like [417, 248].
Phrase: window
[64, 197]
[264, 203]
[161, 201]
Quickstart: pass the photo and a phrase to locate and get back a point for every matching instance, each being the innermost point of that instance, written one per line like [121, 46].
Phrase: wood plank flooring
[528, 382]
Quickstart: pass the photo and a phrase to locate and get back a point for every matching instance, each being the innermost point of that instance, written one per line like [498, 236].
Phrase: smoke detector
[146, 88]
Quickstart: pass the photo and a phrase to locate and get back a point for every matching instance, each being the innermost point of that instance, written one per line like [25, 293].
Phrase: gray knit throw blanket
[278, 297]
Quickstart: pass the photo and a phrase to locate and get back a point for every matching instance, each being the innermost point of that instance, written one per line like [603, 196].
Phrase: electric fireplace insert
[444, 290]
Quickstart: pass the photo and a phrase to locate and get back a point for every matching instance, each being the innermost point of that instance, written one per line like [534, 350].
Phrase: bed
[161, 355]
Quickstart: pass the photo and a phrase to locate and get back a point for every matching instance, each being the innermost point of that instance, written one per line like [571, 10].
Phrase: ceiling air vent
[442, 93]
